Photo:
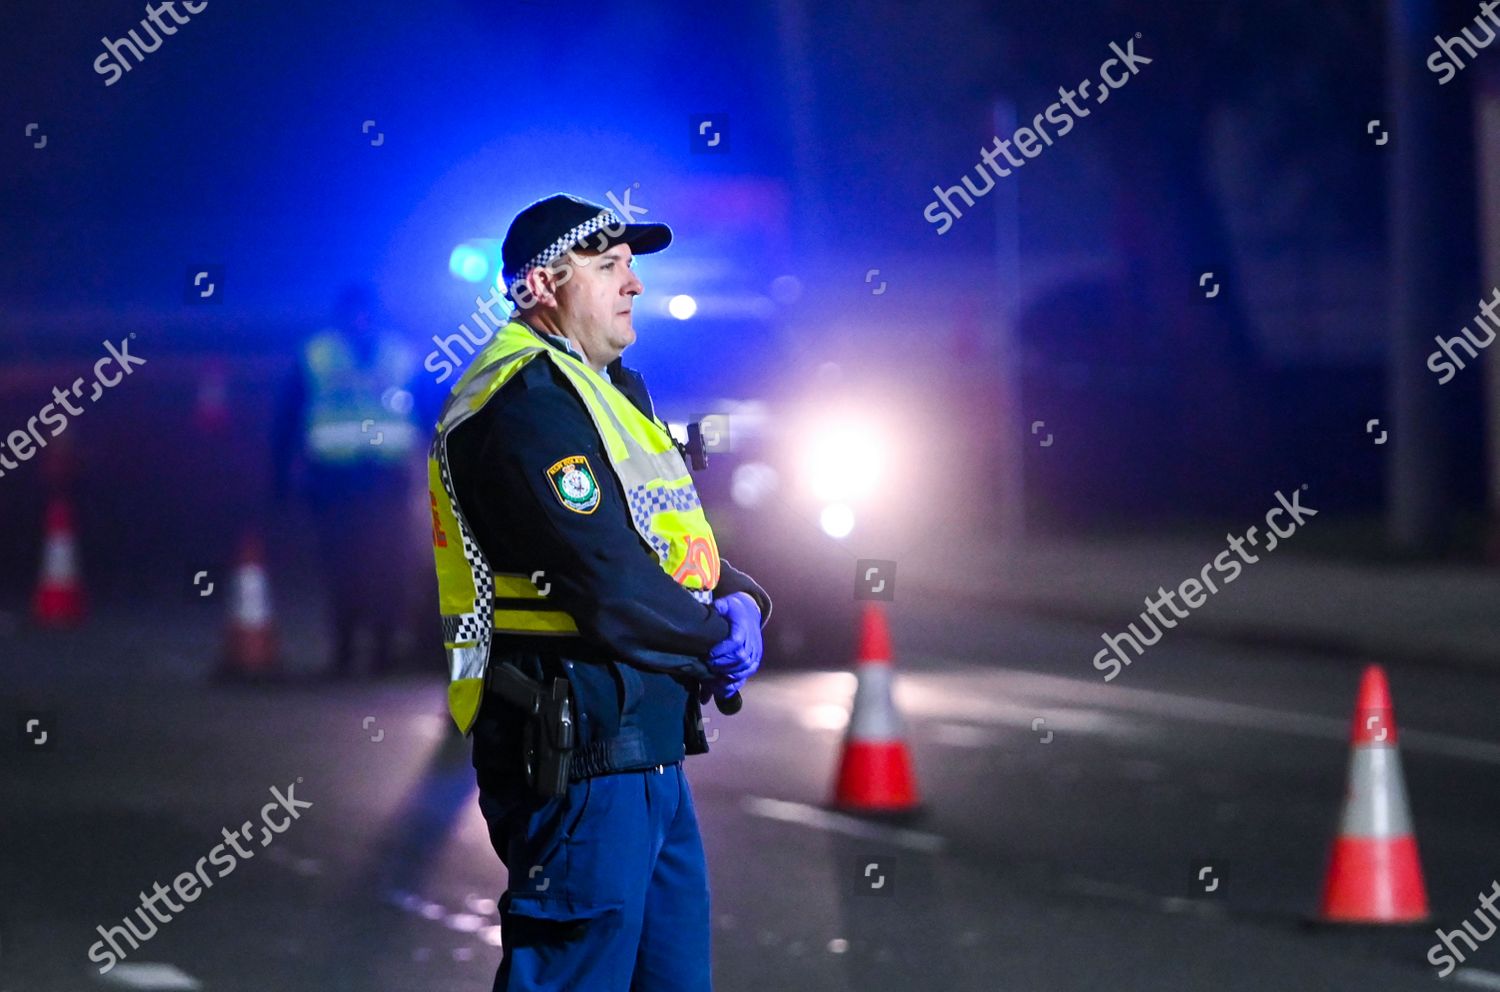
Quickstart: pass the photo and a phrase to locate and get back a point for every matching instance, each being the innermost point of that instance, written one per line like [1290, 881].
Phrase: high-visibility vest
[358, 413]
[664, 509]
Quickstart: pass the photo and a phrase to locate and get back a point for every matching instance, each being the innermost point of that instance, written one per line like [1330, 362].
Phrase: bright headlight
[844, 460]
[837, 520]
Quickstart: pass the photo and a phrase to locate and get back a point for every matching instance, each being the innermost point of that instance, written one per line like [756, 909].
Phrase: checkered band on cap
[605, 218]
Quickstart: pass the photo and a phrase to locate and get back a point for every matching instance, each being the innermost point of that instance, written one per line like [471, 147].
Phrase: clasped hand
[738, 656]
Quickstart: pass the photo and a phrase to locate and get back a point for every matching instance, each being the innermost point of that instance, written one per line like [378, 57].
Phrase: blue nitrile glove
[719, 687]
[737, 657]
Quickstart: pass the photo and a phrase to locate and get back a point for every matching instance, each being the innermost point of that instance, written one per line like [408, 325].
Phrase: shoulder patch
[573, 483]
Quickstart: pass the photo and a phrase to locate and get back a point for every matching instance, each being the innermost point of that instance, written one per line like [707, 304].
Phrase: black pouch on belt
[547, 737]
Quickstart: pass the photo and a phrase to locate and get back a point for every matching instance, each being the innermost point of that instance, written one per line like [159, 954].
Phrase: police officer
[346, 419]
[587, 617]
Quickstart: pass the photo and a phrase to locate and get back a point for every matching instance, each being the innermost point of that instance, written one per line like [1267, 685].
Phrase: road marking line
[822, 819]
[821, 701]
[1452, 747]
[919, 694]
[1181, 707]
[150, 975]
[963, 735]
[1114, 892]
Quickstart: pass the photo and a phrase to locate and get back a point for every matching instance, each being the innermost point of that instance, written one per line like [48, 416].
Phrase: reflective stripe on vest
[479, 606]
[353, 412]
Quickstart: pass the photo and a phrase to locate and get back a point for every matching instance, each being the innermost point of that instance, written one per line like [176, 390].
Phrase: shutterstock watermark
[112, 61]
[1445, 962]
[22, 445]
[1113, 658]
[187, 885]
[443, 360]
[1446, 370]
[1472, 46]
[1033, 140]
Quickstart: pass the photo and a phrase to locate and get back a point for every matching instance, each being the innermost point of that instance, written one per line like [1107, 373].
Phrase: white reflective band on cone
[1376, 805]
[875, 717]
[59, 563]
[254, 605]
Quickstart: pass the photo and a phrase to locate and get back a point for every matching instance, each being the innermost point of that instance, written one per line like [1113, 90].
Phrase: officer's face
[595, 304]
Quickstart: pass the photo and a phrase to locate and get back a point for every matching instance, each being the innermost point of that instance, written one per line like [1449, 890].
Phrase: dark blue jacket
[635, 670]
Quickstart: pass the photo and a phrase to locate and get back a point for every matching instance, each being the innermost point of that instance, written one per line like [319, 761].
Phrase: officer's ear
[540, 287]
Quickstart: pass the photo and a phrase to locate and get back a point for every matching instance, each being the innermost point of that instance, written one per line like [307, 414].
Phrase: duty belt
[612, 755]
[549, 754]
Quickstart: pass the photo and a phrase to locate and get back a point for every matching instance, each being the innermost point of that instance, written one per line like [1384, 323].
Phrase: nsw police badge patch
[573, 482]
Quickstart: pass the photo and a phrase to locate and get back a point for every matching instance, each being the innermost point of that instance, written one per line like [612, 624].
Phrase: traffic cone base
[1375, 880]
[876, 776]
[251, 652]
[57, 607]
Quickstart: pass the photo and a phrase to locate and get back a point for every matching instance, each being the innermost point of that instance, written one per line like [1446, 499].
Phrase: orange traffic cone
[59, 600]
[875, 774]
[250, 649]
[1375, 875]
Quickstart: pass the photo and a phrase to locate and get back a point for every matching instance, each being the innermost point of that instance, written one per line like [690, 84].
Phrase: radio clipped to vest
[547, 737]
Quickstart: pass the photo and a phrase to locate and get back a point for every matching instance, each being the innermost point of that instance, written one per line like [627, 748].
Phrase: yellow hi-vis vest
[664, 508]
[358, 414]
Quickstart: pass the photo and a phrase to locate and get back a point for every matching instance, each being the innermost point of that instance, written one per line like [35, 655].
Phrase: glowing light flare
[844, 461]
[837, 519]
[468, 263]
[397, 400]
[752, 483]
[682, 306]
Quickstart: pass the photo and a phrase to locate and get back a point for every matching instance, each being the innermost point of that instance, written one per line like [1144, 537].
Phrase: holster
[547, 737]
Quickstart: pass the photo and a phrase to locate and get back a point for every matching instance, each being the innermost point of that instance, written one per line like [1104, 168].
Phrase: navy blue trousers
[608, 888]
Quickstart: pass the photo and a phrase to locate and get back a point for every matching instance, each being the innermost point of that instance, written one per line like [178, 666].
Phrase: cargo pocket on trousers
[559, 916]
[563, 887]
